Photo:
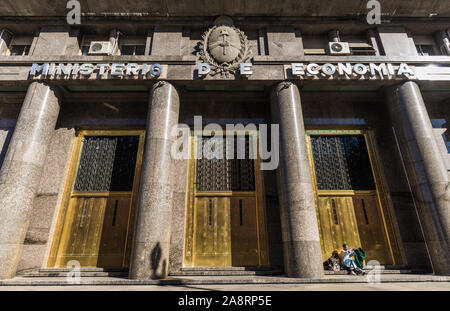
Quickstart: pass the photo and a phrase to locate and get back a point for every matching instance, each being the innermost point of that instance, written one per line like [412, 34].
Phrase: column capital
[47, 84]
[160, 84]
[282, 86]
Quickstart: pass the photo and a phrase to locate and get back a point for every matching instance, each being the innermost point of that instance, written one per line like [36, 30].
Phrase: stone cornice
[191, 59]
[261, 60]
[287, 8]
[22, 60]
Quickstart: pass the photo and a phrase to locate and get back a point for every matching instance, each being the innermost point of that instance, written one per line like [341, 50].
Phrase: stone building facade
[87, 119]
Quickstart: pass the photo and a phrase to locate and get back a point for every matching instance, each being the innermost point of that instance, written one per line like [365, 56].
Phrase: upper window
[359, 45]
[128, 45]
[315, 44]
[132, 46]
[342, 163]
[132, 49]
[318, 45]
[107, 163]
[425, 50]
[19, 50]
[425, 45]
[20, 45]
[86, 42]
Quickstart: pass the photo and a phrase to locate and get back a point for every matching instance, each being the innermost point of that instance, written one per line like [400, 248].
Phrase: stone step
[387, 267]
[227, 268]
[383, 269]
[216, 280]
[84, 272]
[227, 271]
[205, 271]
[343, 272]
[276, 272]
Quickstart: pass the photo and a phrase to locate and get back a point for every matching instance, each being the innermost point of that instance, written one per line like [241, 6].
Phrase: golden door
[212, 235]
[97, 221]
[225, 216]
[338, 224]
[244, 231]
[347, 198]
[367, 211]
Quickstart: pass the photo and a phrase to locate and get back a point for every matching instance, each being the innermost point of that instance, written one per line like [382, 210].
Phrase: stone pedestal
[300, 233]
[425, 169]
[21, 171]
[152, 238]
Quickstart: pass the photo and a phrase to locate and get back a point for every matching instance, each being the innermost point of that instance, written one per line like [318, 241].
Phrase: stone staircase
[215, 276]
[204, 271]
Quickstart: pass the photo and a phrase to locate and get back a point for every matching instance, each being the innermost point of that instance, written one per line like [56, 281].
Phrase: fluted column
[152, 238]
[425, 169]
[300, 233]
[21, 171]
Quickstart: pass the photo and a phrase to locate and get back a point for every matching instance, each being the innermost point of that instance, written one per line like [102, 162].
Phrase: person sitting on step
[333, 263]
[346, 257]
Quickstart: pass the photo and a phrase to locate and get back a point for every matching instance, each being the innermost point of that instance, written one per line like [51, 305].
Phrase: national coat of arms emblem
[224, 48]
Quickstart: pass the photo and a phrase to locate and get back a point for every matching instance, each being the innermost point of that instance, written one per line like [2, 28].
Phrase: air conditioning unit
[339, 48]
[100, 48]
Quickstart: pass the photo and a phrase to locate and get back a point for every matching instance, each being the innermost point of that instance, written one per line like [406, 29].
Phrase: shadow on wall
[158, 270]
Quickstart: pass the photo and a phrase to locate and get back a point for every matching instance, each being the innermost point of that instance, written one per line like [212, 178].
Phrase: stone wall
[357, 110]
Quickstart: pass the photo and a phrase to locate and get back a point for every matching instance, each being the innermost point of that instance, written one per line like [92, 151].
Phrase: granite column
[300, 233]
[21, 171]
[425, 169]
[152, 238]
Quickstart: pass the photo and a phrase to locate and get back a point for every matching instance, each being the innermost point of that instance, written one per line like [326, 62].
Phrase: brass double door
[96, 221]
[225, 213]
[350, 207]
[352, 217]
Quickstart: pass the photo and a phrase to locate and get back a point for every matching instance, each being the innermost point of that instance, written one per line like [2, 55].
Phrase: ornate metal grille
[217, 173]
[107, 163]
[342, 163]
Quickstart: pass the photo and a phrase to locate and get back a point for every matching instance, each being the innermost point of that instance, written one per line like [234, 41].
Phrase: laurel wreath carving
[226, 68]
